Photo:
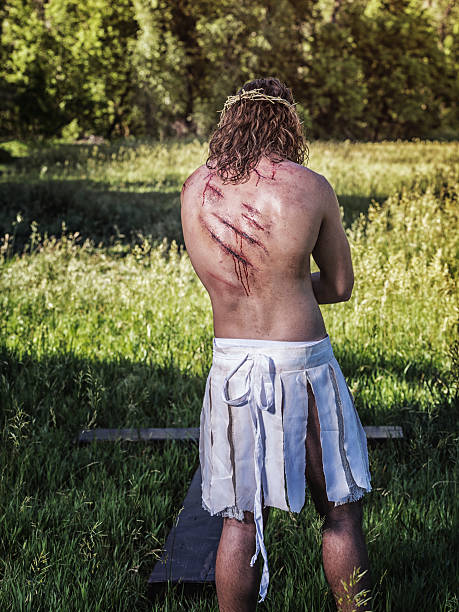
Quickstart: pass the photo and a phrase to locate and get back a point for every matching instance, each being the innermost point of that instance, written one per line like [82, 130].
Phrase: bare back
[250, 245]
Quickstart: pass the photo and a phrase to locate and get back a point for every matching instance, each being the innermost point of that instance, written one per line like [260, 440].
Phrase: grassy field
[105, 325]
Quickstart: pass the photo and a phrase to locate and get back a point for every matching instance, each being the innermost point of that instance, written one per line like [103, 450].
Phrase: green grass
[111, 328]
[128, 190]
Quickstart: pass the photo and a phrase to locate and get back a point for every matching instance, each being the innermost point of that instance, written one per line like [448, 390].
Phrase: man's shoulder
[190, 188]
[195, 177]
[306, 175]
[311, 186]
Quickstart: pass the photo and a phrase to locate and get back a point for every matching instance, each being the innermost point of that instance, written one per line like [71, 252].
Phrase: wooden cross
[191, 546]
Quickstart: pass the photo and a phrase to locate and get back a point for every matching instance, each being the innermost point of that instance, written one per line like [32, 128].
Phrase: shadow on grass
[413, 559]
[104, 214]
[96, 211]
[354, 205]
[68, 393]
[71, 392]
[45, 403]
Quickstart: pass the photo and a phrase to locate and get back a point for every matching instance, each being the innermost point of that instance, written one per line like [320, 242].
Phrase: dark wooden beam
[138, 435]
[191, 547]
[381, 432]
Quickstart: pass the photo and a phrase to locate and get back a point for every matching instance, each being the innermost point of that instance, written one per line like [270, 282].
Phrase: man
[276, 409]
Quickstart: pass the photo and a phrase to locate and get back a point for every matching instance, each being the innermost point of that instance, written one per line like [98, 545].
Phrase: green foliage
[390, 78]
[127, 191]
[335, 88]
[159, 62]
[384, 69]
[70, 61]
[411, 83]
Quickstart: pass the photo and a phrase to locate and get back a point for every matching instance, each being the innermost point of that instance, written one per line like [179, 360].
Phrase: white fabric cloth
[253, 428]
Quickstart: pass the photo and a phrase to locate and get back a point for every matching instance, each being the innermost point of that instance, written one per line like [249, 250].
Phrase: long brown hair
[250, 129]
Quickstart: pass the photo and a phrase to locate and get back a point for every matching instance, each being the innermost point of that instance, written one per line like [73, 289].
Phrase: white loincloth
[253, 429]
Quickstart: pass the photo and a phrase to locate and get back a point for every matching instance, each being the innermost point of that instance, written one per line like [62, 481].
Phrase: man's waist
[286, 355]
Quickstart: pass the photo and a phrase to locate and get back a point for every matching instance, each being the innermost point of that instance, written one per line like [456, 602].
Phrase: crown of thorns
[253, 94]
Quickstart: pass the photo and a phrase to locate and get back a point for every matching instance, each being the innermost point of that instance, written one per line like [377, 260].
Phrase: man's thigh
[315, 479]
[315, 475]
[314, 470]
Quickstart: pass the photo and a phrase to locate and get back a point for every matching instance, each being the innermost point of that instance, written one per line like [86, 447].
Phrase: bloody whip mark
[240, 233]
[241, 263]
[253, 222]
[214, 189]
[251, 209]
[222, 280]
[237, 260]
[237, 269]
[246, 274]
[254, 213]
[229, 250]
[185, 184]
[271, 178]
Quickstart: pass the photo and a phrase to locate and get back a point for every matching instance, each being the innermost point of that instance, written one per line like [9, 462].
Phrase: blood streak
[222, 280]
[246, 274]
[229, 250]
[251, 209]
[253, 222]
[240, 261]
[240, 233]
[236, 269]
[253, 212]
[215, 190]
[185, 184]
[259, 176]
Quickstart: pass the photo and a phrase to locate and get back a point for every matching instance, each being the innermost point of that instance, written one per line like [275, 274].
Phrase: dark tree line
[359, 70]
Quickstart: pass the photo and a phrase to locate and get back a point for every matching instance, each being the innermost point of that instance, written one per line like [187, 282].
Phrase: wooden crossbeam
[191, 547]
[137, 435]
[383, 432]
[380, 432]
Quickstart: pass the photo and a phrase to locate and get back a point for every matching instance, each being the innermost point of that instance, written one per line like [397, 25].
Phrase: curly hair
[252, 128]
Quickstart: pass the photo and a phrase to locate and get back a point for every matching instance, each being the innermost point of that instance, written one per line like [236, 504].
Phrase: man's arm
[331, 253]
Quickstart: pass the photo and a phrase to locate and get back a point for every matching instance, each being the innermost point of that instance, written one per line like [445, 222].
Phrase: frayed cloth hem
[355, 494]
[228, 512]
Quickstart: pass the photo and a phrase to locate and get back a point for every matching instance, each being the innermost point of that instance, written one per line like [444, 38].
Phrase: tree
[71, 60]
[377, 69]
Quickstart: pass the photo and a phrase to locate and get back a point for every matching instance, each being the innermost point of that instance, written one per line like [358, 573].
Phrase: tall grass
[128, 190]
[117, 334]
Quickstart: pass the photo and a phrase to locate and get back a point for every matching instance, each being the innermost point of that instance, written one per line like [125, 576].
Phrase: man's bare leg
[238, 583]
[343, 541]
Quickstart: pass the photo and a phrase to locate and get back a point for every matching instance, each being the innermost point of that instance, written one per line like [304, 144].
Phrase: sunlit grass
[120, 336]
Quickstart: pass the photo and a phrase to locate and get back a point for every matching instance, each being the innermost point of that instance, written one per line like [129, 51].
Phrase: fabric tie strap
[259, 395]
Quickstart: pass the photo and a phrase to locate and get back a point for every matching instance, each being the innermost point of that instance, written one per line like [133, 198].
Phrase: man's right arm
[335, 280]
